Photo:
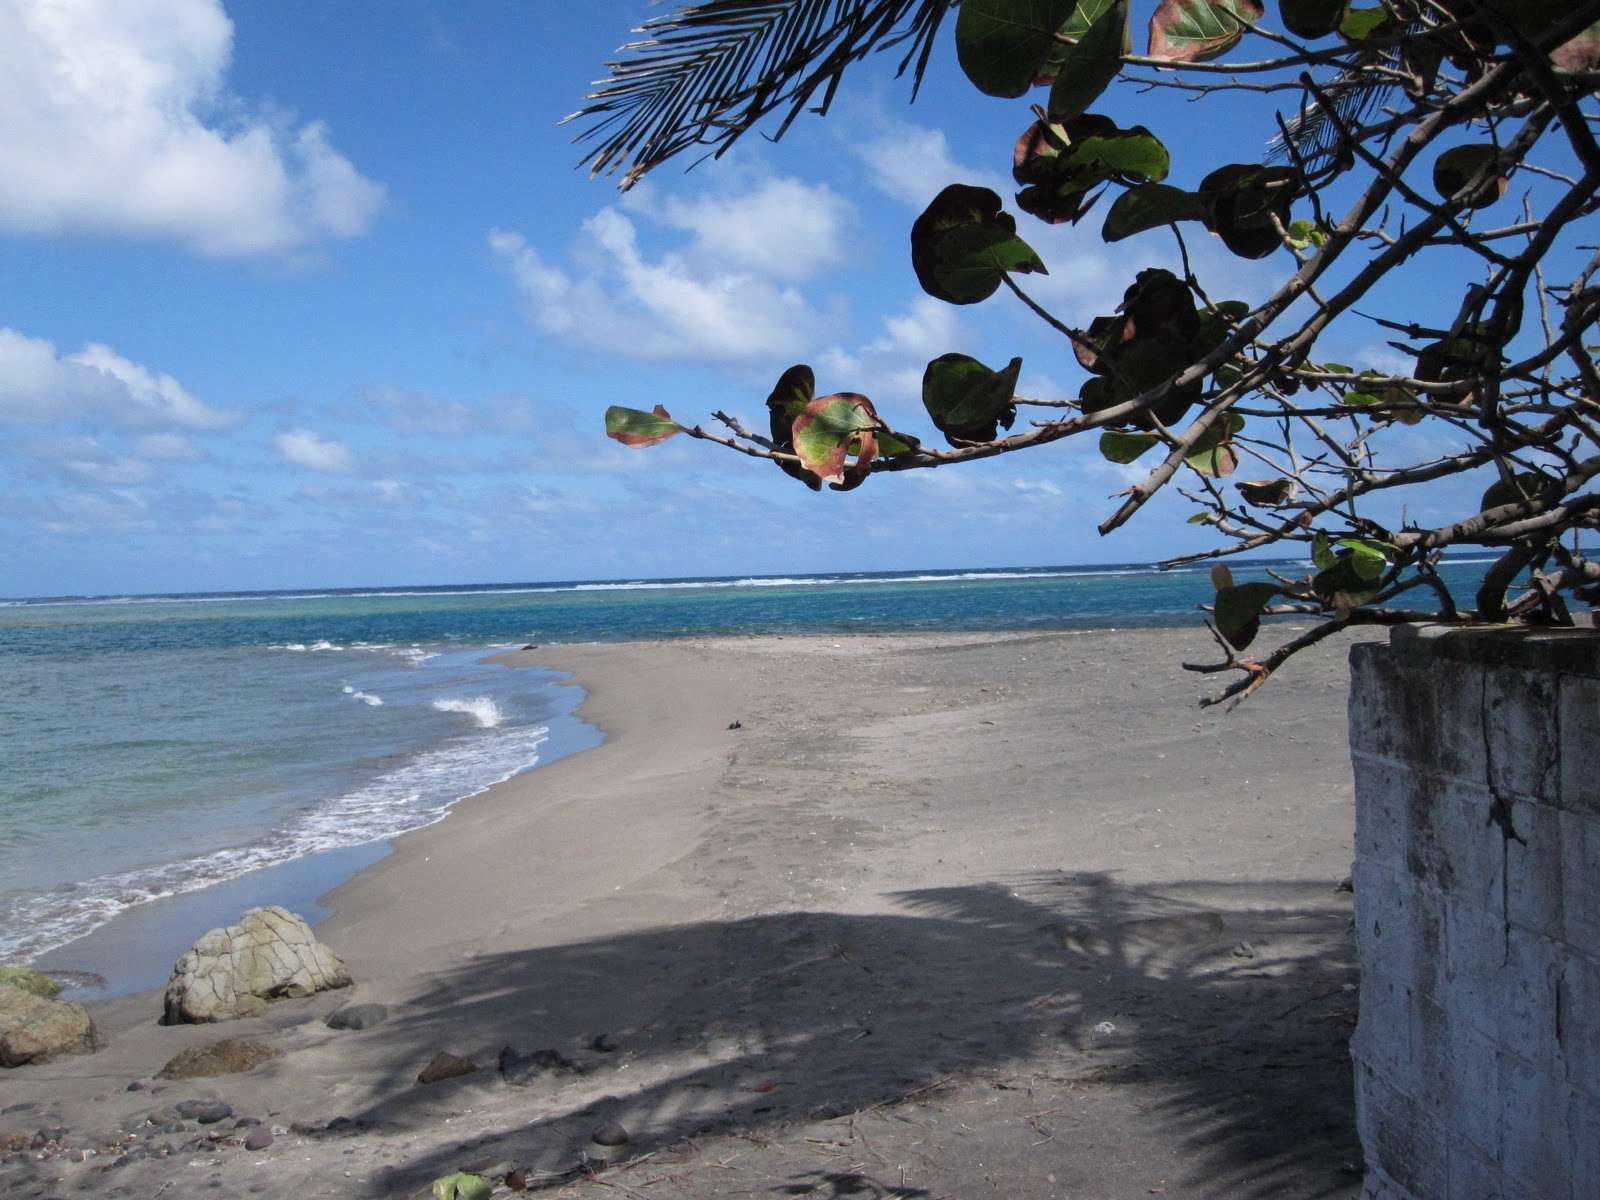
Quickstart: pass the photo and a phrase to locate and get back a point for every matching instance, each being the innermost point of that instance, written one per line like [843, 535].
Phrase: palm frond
[1316, 135]
[708, 72]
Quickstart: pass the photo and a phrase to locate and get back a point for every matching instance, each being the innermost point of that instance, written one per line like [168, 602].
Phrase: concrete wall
[1477, 899]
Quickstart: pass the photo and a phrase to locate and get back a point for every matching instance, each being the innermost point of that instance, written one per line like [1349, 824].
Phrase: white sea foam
[305, 648]
[364, 697]
[415, 794]
[480, 708]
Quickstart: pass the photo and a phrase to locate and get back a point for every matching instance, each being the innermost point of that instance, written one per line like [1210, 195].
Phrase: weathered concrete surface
[1477, 771]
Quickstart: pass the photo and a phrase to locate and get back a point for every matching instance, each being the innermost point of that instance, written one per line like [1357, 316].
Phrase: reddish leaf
[1198, 30]
[829, 430]
[634, 428]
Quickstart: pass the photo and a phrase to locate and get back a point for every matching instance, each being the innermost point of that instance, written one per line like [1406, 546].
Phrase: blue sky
[305, 294]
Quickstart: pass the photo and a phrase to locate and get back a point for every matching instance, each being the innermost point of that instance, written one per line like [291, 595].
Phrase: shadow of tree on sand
[1219, 1012]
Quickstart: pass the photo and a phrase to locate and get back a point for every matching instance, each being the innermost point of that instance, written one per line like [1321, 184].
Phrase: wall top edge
[1520, 647]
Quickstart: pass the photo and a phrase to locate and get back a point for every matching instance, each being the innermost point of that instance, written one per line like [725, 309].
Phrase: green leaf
[1304, 233]
[462, 1186]
[963, 245]
[967, 401]
[1312, 18]
[1368, 559]
[1003, 46]
[1198, 30]
[830, 429]
[1151, 206]
[1238, 611]
[1092, 62]
[1214, 454]
[1359, 24]
[1129, 154]
[1469, 175]
[892, 445]
[1120, 447]
[638, 429]
[1322, 555]
[1060, 163]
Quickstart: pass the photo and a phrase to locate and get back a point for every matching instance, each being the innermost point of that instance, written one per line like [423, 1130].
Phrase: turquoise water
[155, 746]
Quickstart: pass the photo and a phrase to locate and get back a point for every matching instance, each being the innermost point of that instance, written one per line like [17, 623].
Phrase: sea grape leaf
[1198, 30]
[1312, 18]
[1090, 64]
[1142, 347]
[1322, 555]
[1359, 24]
[1215, 325]
[1061, 162]
[794, 390]
[1214, 454]
[1520, 487]
[1151, 206]
[1119, 446]
[1370, 559]
[638, 429]
[967, 401]
[1126, 154]
[830, 429]
[892, 444]
[963, 245]
[1248, 203]
[1468, 174]
[462, 1186]
[1267, 493]
[1238, 611]
[1005, 46]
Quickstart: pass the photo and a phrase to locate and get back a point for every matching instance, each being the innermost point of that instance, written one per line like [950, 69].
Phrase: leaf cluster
[1403, 142]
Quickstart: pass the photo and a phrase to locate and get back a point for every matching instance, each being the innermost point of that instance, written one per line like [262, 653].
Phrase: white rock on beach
[269, 955]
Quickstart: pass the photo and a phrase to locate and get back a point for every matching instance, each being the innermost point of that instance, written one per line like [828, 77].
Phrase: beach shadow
[1223, 1011]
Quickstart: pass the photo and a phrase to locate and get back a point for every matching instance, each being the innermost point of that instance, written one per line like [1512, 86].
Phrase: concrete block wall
[1477, 906]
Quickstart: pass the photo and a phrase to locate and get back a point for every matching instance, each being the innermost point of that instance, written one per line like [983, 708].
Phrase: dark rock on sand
[610, 1134]
[34, 1029]
[520, 1070]
[269, 955]
[207, 1112]
[358, 1016]
[230, 1056]
[258, 1138]
[445, 1066]
[604, 1043]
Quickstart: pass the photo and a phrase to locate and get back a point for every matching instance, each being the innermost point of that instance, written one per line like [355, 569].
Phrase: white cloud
[314, 452]
[780, 229]
[114, 120]
[913, 164]
[39, 386]
[725, 297]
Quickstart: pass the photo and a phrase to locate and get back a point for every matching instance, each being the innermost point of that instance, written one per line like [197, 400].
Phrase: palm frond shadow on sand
[1230, 1007]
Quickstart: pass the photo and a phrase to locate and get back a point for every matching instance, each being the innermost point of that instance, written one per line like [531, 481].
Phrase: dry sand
[945, 916]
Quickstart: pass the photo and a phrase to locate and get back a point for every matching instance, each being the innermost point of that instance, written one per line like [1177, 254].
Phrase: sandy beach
[900, 916]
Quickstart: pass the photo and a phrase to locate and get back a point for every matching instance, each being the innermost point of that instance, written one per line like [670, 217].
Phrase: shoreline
[128, 951]
[922, 866]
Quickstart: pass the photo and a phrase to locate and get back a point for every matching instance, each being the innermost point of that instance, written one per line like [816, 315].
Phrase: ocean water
[154, 747]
